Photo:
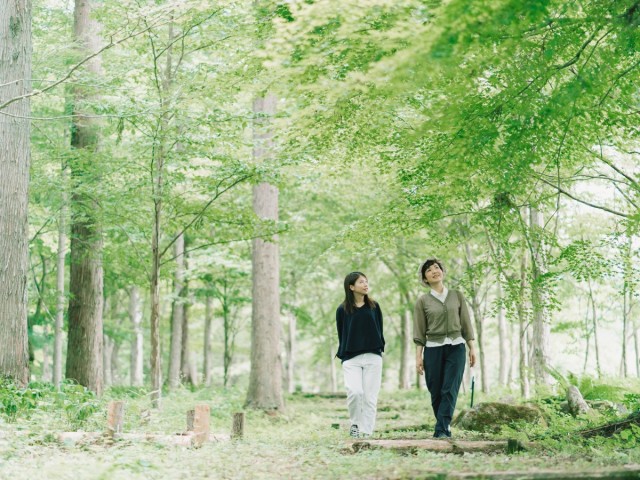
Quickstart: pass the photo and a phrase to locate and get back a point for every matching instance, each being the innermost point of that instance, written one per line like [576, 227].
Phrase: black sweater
[359, 331]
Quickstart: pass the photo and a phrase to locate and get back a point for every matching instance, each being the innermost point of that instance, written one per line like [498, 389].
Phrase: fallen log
[612, 428]
[441, 446]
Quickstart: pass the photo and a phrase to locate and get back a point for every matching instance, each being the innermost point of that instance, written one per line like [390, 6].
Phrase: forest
[185, 184]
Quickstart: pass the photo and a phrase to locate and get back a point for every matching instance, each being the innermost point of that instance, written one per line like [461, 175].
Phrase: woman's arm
[419, 361]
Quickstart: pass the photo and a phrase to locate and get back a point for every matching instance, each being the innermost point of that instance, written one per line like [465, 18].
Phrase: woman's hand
[472, 356]
[419, 361]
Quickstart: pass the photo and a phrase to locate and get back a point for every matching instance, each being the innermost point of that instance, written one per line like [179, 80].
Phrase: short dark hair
[427, 264]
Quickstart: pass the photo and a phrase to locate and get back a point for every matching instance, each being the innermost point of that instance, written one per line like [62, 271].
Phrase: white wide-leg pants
[362, 378]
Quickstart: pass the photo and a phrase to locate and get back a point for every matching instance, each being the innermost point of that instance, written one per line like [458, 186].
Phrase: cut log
[201, 423]
[115, 417]
[237, 428]
[441, 446]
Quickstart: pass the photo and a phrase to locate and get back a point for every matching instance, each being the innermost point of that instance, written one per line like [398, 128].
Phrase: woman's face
[361, 286]
[433, 274]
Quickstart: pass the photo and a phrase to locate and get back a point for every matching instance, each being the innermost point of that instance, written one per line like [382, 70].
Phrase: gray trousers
[362, 378]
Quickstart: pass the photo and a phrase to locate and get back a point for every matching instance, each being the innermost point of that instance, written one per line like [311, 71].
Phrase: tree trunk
[177, 314]
[265, 379]
[525, 389]
[503, 340]
[107, 352]
[135, 315]
[477, 316]
[60, 278]
[15, 154]
[594, 318]
[406, 341]
[208, 320]
[84, 350]
[185, 361]
[627, 293]
[332, 363]
[291, 353]
[540, 323]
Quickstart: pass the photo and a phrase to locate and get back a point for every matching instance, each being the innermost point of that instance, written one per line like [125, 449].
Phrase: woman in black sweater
[361, 343]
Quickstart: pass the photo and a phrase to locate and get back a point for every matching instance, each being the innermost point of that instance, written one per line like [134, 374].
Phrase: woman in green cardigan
[441, 327]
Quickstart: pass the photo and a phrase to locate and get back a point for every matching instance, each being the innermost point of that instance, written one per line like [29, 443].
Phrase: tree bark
[208, 320]
[265, 379]
[525, 389]
[135, 315]
[85, 343]
[60, 278]
[15, 155]
[503, 339]
[594, 318]
[177, 314]
[291, 353]
[541, 330]
[406, 339]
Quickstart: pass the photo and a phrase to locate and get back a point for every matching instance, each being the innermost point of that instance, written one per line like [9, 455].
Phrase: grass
[300, 443]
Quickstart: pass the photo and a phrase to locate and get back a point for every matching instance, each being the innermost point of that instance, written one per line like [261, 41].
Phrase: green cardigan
[434, 320]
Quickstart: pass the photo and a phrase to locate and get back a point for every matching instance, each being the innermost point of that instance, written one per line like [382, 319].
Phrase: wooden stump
[201, 421]
[115, 417]
[190, 417]
[237, 428]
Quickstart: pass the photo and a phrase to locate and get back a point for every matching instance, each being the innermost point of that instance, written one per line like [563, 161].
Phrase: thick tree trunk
[177, 314]
[135, 315]
[541, 330]
[60, 278]
[84, 350]
[265, 380]
[208, 321]
[15, 155]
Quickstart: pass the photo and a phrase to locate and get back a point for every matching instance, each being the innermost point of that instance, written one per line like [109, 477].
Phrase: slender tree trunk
[84, 350]
[208, 321]
[594, 318]
[227, 332]
[477, 316]
[291, 353]
[587, 336]
[185, 359]
[107, 352]
[46, 358]
[135, 315]
[177, 314]
[525, 389]
[627, 293]
[406, 340]
[332, 363]
[636, 344]
[60, 278]
[15, 155]
[503, 340]
[265, 379]
[541, 330]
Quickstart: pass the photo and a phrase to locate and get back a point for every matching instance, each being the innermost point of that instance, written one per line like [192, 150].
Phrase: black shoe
[440, 435]
[354, 431]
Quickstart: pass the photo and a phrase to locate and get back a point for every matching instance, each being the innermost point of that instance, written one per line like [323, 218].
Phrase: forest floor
[308, 441]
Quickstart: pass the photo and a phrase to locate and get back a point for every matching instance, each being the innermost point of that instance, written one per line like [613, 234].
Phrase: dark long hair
[349, 299]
